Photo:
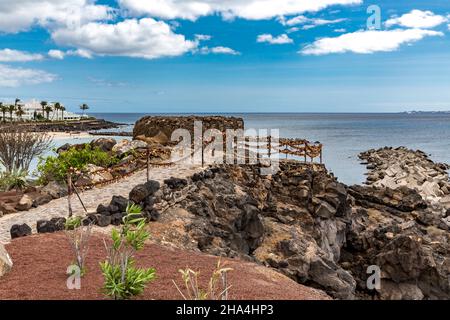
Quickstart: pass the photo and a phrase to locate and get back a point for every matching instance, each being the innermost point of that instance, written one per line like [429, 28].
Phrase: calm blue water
[346, 135]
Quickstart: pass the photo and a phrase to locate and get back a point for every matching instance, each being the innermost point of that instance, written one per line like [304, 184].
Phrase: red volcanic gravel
[40, 263]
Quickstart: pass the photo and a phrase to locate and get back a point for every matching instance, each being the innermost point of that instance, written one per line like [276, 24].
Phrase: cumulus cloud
[21, 15]
[144, 38]
[366, 42]
[56, 54]
[417, 19]
[281, 39]
[11, 55]
[14, 77]
[246, 9]
[219, 50]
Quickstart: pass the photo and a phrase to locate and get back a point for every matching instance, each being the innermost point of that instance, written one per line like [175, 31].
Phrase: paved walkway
[91, 198]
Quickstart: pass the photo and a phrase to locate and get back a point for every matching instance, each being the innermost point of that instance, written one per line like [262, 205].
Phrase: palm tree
[20, 112]
[84, 107]
[47, 110]
[57, 107]
[3, 109]
[62, 108]
[11, 109]
[16, 102]
[43, 105]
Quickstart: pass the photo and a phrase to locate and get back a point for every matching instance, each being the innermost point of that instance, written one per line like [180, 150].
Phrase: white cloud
[144, 38]
[80, 53]
[340, 30]
[309, 23]
[56, 54]
[202, 37]
[293, 29]
[11, 55]
[14, 77]
[219, 50]
[417, 19]
[246, 9]
[294, 21]
[21, 15]
[281, 39]
[366, 42]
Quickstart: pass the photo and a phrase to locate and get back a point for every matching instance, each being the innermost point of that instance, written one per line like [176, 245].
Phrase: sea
[343, 135]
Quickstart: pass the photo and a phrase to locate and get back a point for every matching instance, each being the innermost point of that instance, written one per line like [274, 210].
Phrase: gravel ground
[41, 260]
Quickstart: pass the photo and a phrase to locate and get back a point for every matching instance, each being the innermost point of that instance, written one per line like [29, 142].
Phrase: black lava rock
[116, 219]
[60, 223]
[176, 183]
[103, 220]
[138, 193]
[102, 209]
[45, 226]
[152, 186]
[20, 230]
[90, 219]
[120, 202]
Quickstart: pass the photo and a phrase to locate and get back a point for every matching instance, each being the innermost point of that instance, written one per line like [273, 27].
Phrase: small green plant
[55, 168]
[218, 288]
[123, 280]
[15, 180]
[78, 237]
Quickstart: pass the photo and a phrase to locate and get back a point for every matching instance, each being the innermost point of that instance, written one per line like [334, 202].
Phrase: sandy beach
[69, 135]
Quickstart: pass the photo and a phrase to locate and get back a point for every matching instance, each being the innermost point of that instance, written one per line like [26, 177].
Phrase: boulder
[55, 190]
[25, 203]
[104, 144]
[120, 202]
[20, 230]
[138, 144]
[45, 226]
[63, 148]
[103, 220]
[116, 219]
[122, 147]
[138, 194]
[42, 199]
[102, 209]
[152, 186]
[6, 208]
[6, 263]
[94, 174]
[59, 222]
[90, 219]
[175, 183]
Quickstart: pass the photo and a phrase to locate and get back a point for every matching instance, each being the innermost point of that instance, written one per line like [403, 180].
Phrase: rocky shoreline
[305, 224]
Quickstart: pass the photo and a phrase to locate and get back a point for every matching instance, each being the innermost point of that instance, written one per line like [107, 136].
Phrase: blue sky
[226, 56]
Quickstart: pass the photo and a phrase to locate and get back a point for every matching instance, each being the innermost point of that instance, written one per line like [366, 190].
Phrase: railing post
[306, 150]
[69, 191]
[148, 163]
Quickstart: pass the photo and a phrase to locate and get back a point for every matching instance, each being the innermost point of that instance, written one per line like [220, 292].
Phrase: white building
[33, 108]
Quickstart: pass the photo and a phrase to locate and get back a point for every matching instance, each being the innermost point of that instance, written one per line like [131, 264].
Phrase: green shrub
[13, 180]
[122, 279]
[55, 168]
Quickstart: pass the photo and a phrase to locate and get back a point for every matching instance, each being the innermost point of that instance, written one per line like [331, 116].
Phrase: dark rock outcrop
[156, 126]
